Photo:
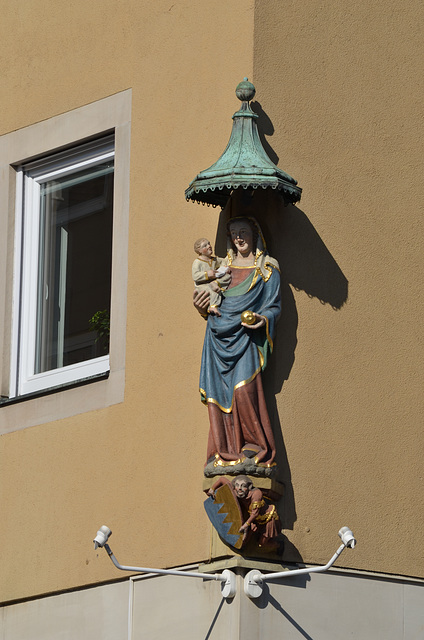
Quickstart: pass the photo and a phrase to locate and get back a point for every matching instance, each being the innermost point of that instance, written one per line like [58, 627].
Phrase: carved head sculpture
[242, 485]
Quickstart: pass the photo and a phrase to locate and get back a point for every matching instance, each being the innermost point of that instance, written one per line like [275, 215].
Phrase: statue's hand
[215, 286]
[260, 322]
[211, 493]
[201, 301]
[244, 527]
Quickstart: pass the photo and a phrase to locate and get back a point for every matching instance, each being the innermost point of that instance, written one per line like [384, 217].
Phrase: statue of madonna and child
[238, 342]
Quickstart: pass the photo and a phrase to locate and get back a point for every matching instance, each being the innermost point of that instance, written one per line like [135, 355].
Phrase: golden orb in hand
[248, 317]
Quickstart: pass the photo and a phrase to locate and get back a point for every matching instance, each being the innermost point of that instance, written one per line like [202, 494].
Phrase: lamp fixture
[253, 581]
[227, 577]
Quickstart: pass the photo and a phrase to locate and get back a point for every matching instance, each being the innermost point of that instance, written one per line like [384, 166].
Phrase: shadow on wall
[265, 128]
[307, 265]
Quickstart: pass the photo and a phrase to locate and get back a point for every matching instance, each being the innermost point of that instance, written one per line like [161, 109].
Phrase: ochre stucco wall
[339, 86]
[136, 466]
[342, 86]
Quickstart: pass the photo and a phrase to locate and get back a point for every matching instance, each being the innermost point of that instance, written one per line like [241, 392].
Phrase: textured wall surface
[136, 466]
[341, 85]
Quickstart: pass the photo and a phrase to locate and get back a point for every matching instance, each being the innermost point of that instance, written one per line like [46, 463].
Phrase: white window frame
[53, 135]
[29, 179]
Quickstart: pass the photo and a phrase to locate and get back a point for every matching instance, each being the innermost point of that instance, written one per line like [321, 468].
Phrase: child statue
[209, 275]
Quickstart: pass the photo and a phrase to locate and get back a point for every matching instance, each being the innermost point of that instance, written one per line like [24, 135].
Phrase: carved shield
[225, 514]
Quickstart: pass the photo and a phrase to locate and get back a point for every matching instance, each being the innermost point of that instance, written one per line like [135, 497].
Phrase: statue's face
[242, 237]
[241, 488]
[205, 248]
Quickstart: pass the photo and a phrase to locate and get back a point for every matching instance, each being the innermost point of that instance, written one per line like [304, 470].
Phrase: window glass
[74, 271]
[65, 289]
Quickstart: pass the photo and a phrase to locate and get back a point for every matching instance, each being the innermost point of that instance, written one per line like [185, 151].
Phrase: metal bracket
[253, 585]
[253, 581]
[227, 578]
[228, 588]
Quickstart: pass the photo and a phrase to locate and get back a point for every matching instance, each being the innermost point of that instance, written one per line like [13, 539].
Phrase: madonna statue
[235, 352]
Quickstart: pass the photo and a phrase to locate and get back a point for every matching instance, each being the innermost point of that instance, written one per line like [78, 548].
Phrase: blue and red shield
[225, 514]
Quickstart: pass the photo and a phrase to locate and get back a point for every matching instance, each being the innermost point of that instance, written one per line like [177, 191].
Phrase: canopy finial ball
[245, 90]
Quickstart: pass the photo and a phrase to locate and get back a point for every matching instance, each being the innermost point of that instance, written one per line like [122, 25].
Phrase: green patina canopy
[244, 162]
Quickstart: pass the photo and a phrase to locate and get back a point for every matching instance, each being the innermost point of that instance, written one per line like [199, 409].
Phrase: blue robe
[232, 354]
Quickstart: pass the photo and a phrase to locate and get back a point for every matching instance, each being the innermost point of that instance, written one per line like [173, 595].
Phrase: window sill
[5, 402]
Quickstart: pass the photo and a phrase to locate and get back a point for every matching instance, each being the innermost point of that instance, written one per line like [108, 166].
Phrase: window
[64, 214]
[66, 240]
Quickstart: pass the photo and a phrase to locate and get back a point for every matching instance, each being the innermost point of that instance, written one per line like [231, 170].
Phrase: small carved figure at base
[260, 519]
